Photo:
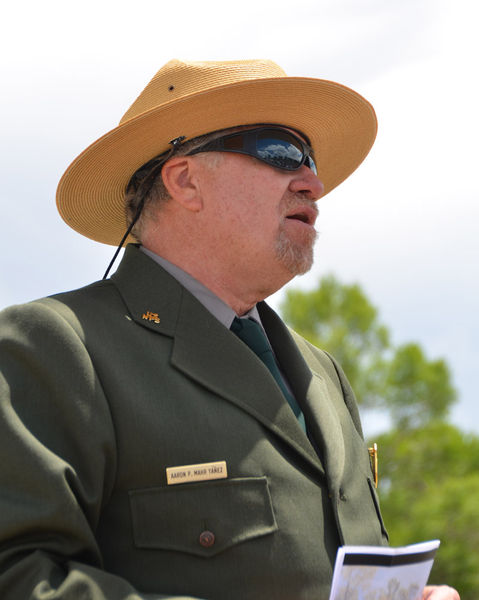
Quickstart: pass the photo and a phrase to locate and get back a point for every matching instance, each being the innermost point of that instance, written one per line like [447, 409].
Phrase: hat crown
[178, 79]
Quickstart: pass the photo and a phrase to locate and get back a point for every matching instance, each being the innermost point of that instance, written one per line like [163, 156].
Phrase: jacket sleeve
[58, 465]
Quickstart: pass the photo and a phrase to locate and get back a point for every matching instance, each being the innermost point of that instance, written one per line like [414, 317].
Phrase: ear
[180, 179]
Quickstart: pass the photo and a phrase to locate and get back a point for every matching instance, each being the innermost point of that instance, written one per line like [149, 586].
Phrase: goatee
[297, 257]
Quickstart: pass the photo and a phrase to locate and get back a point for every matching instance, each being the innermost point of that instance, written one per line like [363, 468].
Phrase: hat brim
[340, 124]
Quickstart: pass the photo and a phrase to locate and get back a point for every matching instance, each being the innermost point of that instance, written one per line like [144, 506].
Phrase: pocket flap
[183, 517]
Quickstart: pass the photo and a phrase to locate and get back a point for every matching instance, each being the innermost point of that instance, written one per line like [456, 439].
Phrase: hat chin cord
[143, 190]
[127, 233]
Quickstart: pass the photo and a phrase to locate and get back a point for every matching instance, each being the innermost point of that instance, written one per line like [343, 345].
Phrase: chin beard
[296, 257]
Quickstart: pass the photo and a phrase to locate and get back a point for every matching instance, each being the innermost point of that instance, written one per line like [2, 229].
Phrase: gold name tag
[201, 472]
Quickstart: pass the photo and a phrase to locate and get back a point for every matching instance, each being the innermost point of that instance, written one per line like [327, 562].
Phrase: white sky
[404, 226]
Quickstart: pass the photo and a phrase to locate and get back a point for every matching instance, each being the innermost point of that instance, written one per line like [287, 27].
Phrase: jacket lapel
[326, 428]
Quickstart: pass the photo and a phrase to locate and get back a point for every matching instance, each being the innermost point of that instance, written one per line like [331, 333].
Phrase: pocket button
[207, 539]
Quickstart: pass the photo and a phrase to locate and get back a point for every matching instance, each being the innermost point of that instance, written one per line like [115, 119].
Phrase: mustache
[296, 200]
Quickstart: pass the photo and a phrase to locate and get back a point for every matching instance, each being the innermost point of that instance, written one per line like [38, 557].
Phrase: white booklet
[381, 573]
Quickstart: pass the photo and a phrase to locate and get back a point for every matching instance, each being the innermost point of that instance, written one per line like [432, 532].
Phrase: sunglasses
[274, 146]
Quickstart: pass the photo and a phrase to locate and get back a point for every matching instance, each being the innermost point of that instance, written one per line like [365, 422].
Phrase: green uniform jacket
[103, 388]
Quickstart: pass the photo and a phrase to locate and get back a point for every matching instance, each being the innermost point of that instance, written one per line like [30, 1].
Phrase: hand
[439, 592]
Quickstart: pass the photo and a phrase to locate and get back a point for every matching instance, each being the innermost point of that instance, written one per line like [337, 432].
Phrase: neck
[231, 272]
[240, 286]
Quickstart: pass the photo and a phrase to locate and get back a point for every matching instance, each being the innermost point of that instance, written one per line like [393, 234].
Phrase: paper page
[378, 573]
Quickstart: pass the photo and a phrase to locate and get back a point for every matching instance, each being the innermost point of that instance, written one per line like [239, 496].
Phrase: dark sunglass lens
[279, 150]
[234, 143]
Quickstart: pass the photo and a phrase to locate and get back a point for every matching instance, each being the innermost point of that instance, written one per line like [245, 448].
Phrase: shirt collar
[219, 309]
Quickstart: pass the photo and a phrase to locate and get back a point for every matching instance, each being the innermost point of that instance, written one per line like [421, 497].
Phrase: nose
[306, 182]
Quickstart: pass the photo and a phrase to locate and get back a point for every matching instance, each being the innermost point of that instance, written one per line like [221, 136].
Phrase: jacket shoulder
[67, 309]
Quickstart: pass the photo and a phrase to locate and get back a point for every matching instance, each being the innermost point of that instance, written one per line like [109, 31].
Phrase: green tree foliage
[340, 319]
[417, 390]
[429, 488]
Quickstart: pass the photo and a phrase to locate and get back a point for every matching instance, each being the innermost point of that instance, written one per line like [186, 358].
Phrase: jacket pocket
[374, 494]
[183, 517]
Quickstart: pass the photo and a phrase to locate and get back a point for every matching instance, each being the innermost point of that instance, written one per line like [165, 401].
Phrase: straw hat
[194, 98]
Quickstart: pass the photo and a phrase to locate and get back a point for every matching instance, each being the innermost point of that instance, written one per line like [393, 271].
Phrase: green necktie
[251, 333]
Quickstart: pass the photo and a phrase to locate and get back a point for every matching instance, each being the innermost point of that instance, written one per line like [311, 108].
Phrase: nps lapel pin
[151, 316]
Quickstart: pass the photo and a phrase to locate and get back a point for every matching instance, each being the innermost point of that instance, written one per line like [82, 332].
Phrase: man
[150, 448]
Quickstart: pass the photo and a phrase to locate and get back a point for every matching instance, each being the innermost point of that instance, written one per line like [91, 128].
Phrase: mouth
[304, 214]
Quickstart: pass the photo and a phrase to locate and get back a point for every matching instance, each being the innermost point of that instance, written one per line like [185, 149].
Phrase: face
[260, 218]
